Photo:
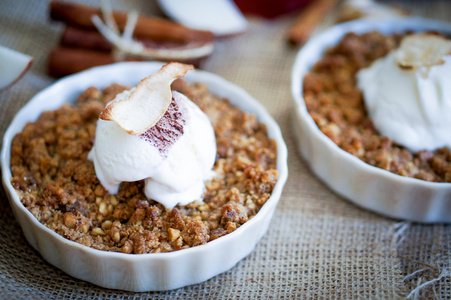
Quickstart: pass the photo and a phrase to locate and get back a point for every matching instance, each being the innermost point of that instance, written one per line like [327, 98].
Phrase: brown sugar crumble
[336, 105]
[58, 185]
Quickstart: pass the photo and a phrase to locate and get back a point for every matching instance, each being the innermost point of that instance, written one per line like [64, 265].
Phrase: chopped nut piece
[99, 191]
[97, 231]
[70, 220]
[128, 247]
[173, 234]
[84, 227]
[113, 201]
[103, 209]
[115, 234]
[230, 226]
[204, 207]
[107, 225]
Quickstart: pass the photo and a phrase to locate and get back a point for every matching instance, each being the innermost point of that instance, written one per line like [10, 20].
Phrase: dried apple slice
[222, 17]
[13, 65]
[422, 50]
[148, 102]
[181, 53]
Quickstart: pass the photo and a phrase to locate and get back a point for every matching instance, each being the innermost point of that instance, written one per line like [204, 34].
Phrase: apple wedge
[13, 66]
[148, 102]
[422, 50]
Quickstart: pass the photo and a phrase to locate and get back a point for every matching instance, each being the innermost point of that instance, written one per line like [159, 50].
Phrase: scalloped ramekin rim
[314, 49]
[196, 75]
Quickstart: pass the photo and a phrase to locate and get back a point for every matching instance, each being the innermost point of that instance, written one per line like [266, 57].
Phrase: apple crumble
[337, 107]
[58, 185]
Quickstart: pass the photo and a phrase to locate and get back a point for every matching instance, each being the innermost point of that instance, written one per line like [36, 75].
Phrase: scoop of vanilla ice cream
[410, 106]
[174, 157]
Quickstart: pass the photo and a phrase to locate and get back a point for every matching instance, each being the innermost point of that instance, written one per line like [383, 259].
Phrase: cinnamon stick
[65, 61]
[86, 39]
[308, 20]
[74, 37]
[79, 15]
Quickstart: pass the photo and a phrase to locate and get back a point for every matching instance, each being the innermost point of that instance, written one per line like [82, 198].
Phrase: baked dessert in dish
[353, 114]
[68, 215]
[56, 180]
[336, 103]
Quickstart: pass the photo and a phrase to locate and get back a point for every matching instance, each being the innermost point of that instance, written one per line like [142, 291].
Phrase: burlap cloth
[318, 245]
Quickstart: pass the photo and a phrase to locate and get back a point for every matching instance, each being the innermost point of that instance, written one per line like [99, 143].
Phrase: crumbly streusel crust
[336, 105]
[58, 185]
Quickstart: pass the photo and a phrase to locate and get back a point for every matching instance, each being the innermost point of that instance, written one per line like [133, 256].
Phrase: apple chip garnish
[13, 65]
[422, 50]
[148, 102]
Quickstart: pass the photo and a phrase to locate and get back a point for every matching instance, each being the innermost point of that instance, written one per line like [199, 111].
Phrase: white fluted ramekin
[140, 272]
[370, 187]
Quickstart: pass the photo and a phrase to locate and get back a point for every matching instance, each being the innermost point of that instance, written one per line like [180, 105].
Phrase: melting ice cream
[174, 156]
[410, 104]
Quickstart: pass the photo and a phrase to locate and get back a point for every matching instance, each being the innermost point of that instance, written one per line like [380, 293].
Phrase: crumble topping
[336, 105]
[57, 183]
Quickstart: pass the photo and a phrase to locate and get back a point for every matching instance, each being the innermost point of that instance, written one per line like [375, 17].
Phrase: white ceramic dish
[143, 272]
[367, 186]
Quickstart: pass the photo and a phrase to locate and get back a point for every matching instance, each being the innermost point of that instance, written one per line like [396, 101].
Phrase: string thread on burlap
[124, 44]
